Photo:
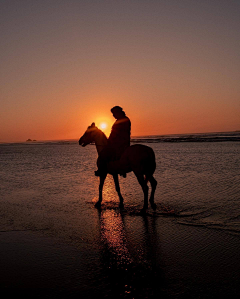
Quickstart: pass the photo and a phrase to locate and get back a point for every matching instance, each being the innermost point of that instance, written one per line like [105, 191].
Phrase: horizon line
[135, 136]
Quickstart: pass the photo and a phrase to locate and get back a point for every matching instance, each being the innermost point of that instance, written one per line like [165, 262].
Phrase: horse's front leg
[101, 183]
[117, 187]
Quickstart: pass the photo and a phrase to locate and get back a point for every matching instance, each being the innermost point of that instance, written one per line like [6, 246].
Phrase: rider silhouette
[118, 140]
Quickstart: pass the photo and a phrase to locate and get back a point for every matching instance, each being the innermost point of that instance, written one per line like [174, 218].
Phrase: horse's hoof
[97, 205]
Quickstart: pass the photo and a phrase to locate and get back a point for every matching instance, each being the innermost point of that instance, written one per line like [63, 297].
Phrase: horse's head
[88, 136]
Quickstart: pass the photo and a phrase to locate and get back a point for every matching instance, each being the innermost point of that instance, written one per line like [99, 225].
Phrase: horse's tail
[149, 164]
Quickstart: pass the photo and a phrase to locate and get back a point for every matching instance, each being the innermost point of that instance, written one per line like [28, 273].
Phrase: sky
[174, 66]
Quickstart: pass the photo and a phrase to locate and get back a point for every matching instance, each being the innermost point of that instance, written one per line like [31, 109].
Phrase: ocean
[188, 247]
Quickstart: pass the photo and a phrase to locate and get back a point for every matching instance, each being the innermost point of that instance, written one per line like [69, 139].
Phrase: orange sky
[173, 66]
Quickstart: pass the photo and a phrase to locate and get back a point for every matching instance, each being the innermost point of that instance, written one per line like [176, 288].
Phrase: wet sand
[129, 256]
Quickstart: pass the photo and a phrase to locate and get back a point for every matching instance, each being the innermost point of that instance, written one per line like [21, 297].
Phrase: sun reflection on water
[128, 254]
[113, 235]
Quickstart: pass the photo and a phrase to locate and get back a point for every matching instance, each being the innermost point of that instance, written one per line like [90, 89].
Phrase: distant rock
[30, 140]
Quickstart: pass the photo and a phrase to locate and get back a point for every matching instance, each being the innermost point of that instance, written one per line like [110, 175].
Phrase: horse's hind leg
[145, 188]
[117, 187]
[153, 183]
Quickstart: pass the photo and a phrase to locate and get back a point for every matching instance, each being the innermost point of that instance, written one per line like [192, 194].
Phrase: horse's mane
[101, 135]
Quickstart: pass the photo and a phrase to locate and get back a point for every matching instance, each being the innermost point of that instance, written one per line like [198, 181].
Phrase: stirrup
[123, 174]
[99, 172]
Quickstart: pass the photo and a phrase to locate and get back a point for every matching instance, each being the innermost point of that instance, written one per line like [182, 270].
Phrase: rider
[118, 140]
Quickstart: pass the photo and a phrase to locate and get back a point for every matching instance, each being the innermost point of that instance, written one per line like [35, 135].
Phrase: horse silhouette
[137, 158]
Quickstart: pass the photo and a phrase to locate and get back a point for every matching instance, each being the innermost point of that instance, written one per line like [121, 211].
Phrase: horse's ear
[93, 125]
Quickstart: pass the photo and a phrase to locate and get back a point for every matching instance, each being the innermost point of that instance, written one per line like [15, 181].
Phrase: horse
[137, 158]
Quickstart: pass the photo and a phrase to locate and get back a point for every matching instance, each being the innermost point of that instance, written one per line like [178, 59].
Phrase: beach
[170, 262]
[55, 244]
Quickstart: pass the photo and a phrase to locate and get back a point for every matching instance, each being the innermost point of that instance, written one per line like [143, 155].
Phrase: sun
[104, 123]
[103, 126]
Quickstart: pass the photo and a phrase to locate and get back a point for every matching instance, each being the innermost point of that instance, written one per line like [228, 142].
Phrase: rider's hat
[116, 108]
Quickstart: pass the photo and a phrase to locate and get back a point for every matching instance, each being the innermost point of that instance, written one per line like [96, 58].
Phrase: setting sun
[103, 126]
[104, 123]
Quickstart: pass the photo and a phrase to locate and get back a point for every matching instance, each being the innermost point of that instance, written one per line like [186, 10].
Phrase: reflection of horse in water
[137, 158]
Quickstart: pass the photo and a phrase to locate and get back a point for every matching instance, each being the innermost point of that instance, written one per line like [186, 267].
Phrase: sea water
[199, 182]
[51, 187]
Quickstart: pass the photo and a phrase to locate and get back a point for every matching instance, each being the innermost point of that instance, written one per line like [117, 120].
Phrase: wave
[206, 218]
[206, 137]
